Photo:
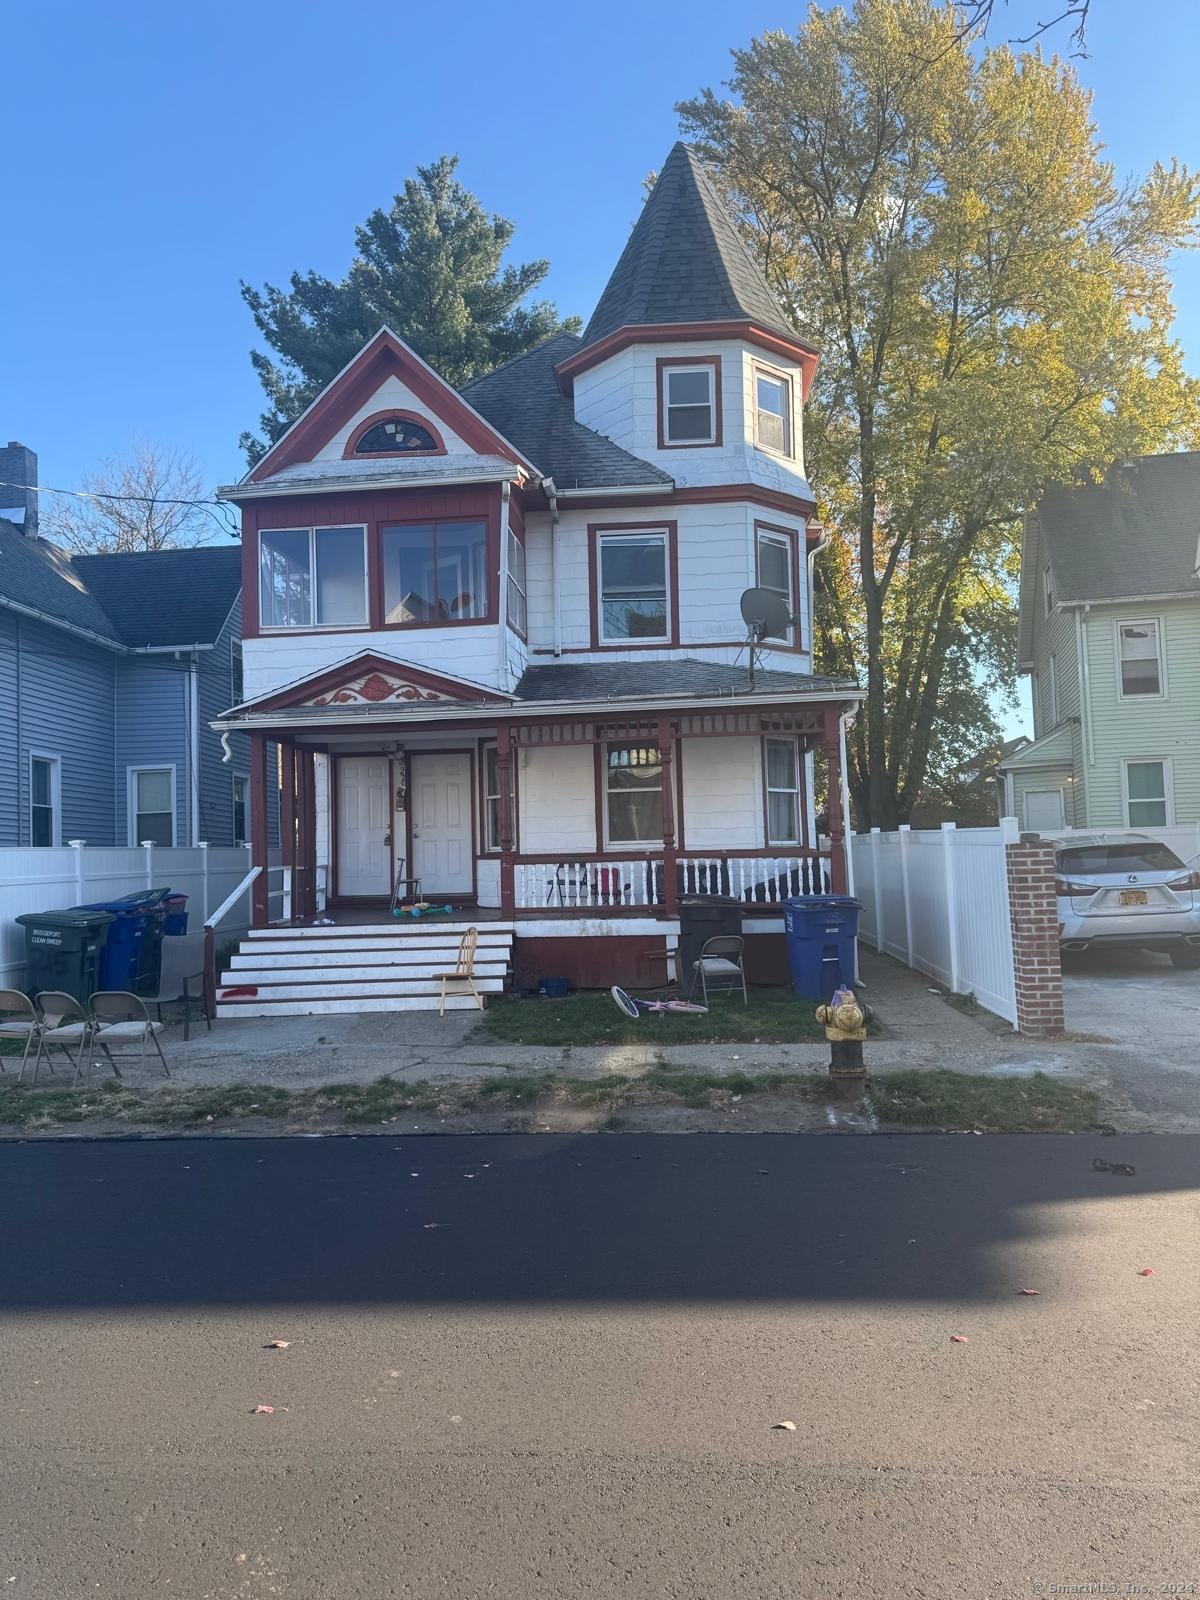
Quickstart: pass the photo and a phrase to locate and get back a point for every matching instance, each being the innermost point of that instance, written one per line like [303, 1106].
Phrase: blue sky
[162, 152]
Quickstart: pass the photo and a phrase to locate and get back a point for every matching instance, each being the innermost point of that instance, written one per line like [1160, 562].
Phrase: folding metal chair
[19, 1020]
[66, 1024]
[182, 967]
[464, 971]
[720, 966]
[121, 1018]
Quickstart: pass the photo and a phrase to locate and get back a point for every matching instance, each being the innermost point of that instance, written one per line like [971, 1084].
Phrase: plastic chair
[720, 967]
[182, 965]
[65, 1023]
[464, 970]
[19, 1020]
[122, 1018]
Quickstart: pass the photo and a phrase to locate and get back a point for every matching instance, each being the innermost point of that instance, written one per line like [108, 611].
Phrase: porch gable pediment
[369, 679]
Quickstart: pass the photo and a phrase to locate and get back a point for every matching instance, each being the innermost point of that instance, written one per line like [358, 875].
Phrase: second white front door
[442, 833]
[364, 803]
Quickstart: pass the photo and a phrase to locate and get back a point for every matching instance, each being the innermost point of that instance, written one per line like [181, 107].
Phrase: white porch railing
[591, 881]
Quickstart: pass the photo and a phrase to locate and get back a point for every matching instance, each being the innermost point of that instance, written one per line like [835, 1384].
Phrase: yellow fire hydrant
[845, 1022]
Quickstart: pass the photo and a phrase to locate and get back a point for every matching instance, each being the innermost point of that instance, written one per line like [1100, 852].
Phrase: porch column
[259, 857]
[665, 756]
[832, 744]
[304, 896]
[287, 815]
[504, 772]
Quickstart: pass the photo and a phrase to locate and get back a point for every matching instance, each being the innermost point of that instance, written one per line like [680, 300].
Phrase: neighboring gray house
[1110, 635]
[112, 668]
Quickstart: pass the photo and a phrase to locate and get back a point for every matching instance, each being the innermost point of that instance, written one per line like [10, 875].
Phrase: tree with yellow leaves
[994, 314]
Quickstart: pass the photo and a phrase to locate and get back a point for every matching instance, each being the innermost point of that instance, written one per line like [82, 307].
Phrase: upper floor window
[773, 411]
[689, 402]
[434, 572]
[393, 436]
[1140, 658]
[518, 609]
[776, 564]
[632, 580]
[312, 577]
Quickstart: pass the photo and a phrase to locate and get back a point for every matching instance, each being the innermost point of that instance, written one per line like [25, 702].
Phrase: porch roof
[634, 680]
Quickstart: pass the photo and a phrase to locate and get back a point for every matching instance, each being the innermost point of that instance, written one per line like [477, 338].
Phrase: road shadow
[522, 1219]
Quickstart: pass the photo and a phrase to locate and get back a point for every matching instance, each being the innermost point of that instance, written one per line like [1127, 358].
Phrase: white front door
[1044, 810]
[442, 832]
[364, 800]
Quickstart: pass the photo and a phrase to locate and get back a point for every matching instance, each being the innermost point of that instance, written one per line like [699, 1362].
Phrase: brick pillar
[1033, 915]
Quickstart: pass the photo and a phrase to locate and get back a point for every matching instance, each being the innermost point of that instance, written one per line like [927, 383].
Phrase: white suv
[1126, 889]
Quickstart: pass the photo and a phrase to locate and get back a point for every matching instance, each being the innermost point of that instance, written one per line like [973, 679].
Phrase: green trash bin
[62, 951]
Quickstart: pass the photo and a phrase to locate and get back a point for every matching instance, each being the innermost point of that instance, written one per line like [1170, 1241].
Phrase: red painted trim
[793, 537]
[383, 357]
[489, 516]
[671, 529]
[661, 367]
[365, 427]
[299, 694]
[259, 857]
[605, 851]
[789, 451]
[699, 495]
[516, 521]
[778, 344]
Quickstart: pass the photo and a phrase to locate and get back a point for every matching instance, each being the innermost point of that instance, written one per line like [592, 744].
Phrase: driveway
[1130, 996]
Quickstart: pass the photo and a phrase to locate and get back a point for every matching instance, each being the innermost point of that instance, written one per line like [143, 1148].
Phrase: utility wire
[205, 505]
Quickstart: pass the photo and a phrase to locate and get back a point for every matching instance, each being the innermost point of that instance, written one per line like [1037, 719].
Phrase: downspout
[21, 810]
[194, 752]
[502, 675]
[552, 496]
[1085, 684]
[821, 544]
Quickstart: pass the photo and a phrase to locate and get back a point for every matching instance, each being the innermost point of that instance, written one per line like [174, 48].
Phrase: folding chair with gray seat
[720, 967]
[19, 1020]
[66, 1024]
[122, 1019]
[464, 970]
[182, 966]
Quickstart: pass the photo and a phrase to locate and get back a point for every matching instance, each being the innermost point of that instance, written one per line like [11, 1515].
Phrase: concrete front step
[364, 989]
[396, 925]
[325, 1007]
[395, 972]
[269, 952]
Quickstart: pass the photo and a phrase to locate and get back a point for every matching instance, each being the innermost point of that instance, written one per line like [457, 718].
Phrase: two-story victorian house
[1110, 636]
[497, 632]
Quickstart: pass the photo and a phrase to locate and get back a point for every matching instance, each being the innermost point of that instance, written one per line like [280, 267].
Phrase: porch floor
[376, 912]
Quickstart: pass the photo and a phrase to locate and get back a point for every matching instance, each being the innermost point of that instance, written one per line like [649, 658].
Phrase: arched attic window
[394, 433]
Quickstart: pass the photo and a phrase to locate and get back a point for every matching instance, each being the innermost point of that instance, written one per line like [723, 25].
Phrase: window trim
[801, 793]
[486, 848]
[603, 840]
[394, 415]
[1048, 600]
[665, 364]
[1168, 789]
[55, 797]
[1141, 622]
[131, 807]
[491, 570]
[274, 628]
[514, 538]
[237, 669]
[797, 645]
[788, 453]
[234, 779]
[600, 530]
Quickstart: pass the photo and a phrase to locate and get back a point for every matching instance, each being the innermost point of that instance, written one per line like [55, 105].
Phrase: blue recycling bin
[131, 956]
[821, 930]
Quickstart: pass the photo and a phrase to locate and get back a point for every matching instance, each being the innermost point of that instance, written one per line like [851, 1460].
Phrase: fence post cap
[77, 844]
[875, 830]
[904, 827]
[147, 844]
[949, 827]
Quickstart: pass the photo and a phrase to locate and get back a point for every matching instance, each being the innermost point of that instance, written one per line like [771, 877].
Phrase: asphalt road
[544, 1366]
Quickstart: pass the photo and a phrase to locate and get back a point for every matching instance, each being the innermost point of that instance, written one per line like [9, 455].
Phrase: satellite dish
[766, 614]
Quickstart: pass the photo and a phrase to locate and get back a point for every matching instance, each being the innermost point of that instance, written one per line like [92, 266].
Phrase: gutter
[270, 490]
[623, 491]
[194, 747]
[67, 627]
[821, 544]
[552, 496]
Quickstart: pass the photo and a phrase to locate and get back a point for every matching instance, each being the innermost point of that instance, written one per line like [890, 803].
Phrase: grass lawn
[1037, 1104]
[774, 1016]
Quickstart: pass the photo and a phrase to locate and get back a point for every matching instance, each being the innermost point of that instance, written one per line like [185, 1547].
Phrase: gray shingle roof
[685, 261]
[1135, 534]
[635, 680]
[37, 574]
[523, 401]
[165, 597]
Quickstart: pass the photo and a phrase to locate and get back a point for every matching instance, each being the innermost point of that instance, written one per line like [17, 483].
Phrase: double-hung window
[518, 610]
[688, 403]
[783, 778]
[241, 790]
[45, 826]
[633, 602]
[1141, 658]
[1047, 589]
[1147, 794]
[491, 798]
[434, 572]
[776, 561]
[152, 805]
[312, 577]
[632, 794]
[773, 411]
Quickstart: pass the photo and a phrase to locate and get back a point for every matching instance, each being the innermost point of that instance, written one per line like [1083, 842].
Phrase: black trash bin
[63, 949]
[703, 917]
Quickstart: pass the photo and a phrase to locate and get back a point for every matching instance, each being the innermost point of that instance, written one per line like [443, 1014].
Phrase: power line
[206, 505]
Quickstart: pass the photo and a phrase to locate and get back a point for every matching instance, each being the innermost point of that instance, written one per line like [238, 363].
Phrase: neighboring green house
[1110, 635]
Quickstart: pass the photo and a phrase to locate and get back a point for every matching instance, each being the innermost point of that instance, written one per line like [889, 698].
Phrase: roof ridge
[523, 355]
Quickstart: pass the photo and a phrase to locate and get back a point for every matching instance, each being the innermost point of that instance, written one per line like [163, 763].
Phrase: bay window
[434, 572]
[518, 610]
[773, 411]
[689, 402]
[633, 603]
[784, 774]
[632, 794]
[775, 559]
[312, 577]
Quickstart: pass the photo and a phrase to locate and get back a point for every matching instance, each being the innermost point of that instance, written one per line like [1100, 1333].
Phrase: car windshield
[1095, 859]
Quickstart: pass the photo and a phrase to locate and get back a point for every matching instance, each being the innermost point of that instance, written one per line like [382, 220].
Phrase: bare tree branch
[149, 499]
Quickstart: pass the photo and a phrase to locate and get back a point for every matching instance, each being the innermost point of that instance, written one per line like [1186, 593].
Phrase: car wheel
[1188, 957]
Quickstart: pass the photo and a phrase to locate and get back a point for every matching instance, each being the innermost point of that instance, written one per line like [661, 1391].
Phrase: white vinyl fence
[81, 874]
[937, 899]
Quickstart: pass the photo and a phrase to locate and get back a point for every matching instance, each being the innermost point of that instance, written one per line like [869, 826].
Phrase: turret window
[689, 402]
[773, 411]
